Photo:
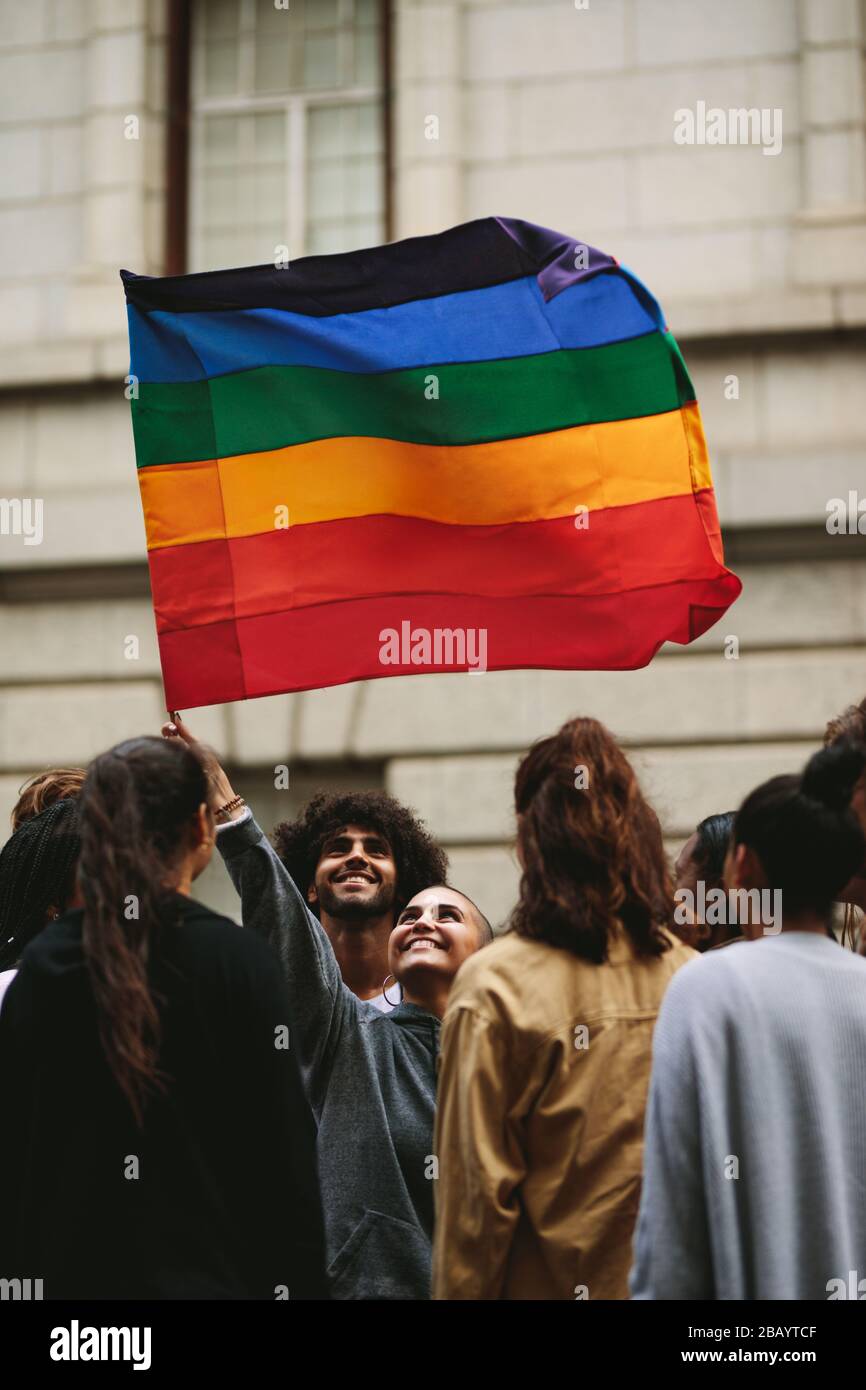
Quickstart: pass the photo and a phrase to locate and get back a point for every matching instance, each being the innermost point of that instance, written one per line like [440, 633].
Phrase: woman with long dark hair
[546, 1040]
[156, 1139]
[756, 1132]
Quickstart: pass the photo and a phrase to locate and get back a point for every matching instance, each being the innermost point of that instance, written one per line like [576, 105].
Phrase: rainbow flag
[476, 450]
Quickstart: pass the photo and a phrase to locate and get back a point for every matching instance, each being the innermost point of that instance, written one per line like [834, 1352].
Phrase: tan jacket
[539, 1128]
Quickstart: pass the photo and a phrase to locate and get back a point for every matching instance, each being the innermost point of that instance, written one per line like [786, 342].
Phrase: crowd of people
[365, 1093]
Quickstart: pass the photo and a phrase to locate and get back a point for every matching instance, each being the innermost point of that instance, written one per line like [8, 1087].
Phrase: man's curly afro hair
[420, 862]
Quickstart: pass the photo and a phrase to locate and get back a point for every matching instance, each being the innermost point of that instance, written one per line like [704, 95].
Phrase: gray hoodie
[370, 1078]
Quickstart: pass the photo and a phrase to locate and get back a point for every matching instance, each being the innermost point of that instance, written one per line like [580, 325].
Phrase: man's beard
[351, 909]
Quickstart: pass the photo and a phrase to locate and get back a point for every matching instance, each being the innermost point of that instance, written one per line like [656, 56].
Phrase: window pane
[221, 69]
[242, 177]
[220, 140]
[362, 177]
[370, 129]
[270, 20]
[326, 239]
[220, 203]
[219, 19]
[243, 189]
[268, 191]
[243, 246]
[270, 135]
[320, 14]
[329, 238]
[326, 190]
[325, 131]
[368, 232]
[320, 60]
[274, 66]
[344, 193]
[367, 58]
[213, 251]
[258, 245]
[339, 131]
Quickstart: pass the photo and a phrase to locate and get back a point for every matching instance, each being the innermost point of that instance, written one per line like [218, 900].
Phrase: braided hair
[37, 873]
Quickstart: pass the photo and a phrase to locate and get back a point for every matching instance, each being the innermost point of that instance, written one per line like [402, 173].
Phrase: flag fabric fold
[486, 431]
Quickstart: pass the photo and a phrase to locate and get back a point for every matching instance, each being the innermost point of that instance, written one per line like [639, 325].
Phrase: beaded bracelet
[230, 806]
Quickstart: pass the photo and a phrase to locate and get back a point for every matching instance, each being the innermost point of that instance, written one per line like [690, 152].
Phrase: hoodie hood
[56, 952]
[414, 1019]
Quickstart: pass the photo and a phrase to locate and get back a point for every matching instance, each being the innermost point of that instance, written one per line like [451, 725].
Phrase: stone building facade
[558, 112]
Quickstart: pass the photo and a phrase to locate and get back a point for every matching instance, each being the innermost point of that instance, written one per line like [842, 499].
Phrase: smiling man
[358, 858]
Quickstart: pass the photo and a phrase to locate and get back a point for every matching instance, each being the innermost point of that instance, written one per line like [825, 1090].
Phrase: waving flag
[474, 450]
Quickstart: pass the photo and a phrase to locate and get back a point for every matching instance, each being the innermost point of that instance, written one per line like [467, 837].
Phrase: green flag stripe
[457, 403]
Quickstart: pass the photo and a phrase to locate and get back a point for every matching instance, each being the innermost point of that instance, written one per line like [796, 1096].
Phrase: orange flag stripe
[533, 478]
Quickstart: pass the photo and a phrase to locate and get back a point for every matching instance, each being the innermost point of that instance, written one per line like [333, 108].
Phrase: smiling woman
[435, 933]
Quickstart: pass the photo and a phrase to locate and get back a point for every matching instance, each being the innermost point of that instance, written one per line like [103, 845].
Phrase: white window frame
[294, 106]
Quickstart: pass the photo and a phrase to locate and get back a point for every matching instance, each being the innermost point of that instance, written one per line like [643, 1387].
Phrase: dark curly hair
[420, 862]
[850, 724]
[592, 851]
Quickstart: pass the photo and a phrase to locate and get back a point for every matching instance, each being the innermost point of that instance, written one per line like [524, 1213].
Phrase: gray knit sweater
[370, 1078]
[755, 1146]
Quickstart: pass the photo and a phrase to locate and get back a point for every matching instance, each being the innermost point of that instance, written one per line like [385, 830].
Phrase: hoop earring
[385, 990]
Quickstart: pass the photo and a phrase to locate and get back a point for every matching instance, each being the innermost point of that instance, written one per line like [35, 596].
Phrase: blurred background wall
[333, 124]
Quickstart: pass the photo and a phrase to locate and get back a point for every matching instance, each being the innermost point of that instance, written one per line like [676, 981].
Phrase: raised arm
[319, 1002]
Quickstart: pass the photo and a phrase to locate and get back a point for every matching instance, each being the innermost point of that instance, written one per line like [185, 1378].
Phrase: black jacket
[217, 1196]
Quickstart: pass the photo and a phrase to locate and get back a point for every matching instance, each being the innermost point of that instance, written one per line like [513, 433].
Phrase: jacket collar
[413, 1016]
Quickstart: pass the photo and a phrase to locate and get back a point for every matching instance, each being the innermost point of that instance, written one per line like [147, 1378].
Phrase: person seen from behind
[546, 1040]
[157, 1142]
[756, 1141]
